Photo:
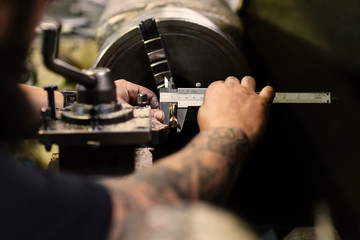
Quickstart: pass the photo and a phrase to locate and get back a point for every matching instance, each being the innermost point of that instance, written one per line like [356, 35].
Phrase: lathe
[161, 45]
[175, 48]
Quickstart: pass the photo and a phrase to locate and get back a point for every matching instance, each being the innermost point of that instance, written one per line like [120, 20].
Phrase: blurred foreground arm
[38, 97]
[231, 121]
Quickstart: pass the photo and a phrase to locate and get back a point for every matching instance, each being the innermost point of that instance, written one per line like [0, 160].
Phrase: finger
[158, 114]
[122, 95]
[249, 83]
[232, 80]
[121, 91]
[124, 104]
[217, 82]
[268, 93]
[213, 86]
[154, 102]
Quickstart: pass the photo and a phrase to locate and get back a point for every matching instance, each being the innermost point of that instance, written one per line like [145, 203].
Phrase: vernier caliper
[175, 102]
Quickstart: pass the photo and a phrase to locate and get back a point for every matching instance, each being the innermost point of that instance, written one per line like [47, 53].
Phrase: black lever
[50, 32]
[95, 85]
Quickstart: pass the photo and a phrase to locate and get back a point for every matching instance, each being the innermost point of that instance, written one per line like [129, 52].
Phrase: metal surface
[201, 41]
[154, 47]
[134, 131]
[99, 148]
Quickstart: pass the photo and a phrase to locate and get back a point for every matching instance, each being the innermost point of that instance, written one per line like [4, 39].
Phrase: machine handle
[50, 37]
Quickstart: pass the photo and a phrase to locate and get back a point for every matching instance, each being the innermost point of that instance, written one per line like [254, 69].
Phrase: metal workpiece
[193, 42]
[123, 14]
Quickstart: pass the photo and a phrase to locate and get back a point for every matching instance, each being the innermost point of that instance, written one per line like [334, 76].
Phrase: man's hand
[234, 103]
[127, 92]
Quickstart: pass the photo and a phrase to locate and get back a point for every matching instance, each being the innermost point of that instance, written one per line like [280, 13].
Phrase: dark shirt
[36, 204]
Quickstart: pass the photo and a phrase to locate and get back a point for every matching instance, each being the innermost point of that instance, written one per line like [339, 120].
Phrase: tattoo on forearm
[203, 169]
[230, 143]
[231, 146]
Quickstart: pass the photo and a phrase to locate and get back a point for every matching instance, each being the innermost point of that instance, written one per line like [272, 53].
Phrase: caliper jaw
[175, 104]
[174, 116]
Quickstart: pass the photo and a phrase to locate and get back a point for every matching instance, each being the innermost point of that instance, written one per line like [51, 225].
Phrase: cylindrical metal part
[104, 91]
[201, 40]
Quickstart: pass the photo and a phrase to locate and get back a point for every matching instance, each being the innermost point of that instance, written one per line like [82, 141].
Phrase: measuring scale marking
[193, 97]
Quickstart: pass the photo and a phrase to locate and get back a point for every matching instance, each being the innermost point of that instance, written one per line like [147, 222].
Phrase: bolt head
[51, 87]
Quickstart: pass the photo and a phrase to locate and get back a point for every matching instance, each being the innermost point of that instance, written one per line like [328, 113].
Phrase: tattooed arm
[209, 163]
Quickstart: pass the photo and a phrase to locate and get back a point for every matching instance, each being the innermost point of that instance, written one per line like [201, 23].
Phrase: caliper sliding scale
[175, 102]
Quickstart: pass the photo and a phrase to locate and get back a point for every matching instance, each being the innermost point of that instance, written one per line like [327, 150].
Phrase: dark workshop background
[310, 153]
